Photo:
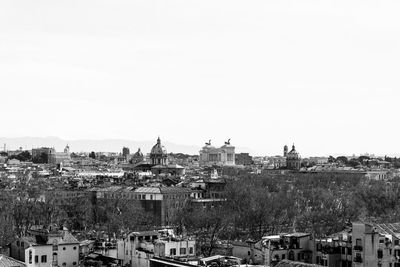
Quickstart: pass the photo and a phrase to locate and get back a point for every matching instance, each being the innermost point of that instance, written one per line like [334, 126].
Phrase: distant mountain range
[103, 145]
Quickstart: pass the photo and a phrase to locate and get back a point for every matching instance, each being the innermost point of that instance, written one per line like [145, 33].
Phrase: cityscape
[217, 208]
[199, 133]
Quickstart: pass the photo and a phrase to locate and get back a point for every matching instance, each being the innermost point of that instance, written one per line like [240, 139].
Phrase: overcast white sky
[322, 74]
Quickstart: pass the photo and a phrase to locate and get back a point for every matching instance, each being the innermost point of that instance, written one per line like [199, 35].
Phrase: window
[30, 256]
[55, 247]
[191, 250]
[283, 256]
[358, 242]
[172, 251]
[182, 251]
[44, 258]
[248, 253]
[64, 264]
[380, 254]
[74, 248]
[36, 259]
[55, 259]
[64, 248]
[74, 263]
[18, 244]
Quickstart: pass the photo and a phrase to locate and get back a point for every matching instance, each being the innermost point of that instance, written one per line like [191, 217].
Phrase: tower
[285, 150]
[66, 149]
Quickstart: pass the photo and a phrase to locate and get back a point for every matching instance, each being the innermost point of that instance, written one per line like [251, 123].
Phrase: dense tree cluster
[319, 203]
[114, 216]
[23, 156]
[254, 206]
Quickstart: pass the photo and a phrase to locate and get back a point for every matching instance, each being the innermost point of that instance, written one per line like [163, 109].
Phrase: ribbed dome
[158, 149]
[138, 153]
[293, 154]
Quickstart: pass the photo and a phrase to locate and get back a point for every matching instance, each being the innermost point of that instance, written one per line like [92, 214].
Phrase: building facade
[43, 248]
[223, 156]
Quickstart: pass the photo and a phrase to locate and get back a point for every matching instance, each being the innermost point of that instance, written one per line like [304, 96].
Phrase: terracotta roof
[43, 238]
[288, 263]
[388, 228]
[6, 261]
[172, 190]
[153, 190]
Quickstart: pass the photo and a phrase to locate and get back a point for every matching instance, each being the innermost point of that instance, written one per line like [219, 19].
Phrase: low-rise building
[46, 248]
[138, 248]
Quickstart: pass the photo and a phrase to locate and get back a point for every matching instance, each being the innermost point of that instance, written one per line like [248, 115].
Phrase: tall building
[125, 152]
[66, 149]
[43, 155]
[293, 159]
[224, 155]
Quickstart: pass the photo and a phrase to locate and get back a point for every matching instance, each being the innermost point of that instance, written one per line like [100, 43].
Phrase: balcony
[358, 248]
[358, 259]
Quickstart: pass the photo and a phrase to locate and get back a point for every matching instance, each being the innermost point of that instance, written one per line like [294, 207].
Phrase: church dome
[158, 149]
[293, 154]
[138, 153]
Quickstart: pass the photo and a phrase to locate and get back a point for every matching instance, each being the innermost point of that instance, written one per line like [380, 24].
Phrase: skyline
[116, 145]
[322, 75]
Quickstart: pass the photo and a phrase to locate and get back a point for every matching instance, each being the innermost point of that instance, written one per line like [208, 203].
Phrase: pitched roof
[152, 190]
[145, 233]
[40, 237]
[174, 190]
[388, 228]
[6, 261]
[288, 263]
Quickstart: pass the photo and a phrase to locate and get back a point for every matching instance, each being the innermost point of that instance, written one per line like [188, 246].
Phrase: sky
[264, 73]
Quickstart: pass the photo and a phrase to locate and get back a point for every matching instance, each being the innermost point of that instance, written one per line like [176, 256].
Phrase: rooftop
[6, 261]
[288, 263]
